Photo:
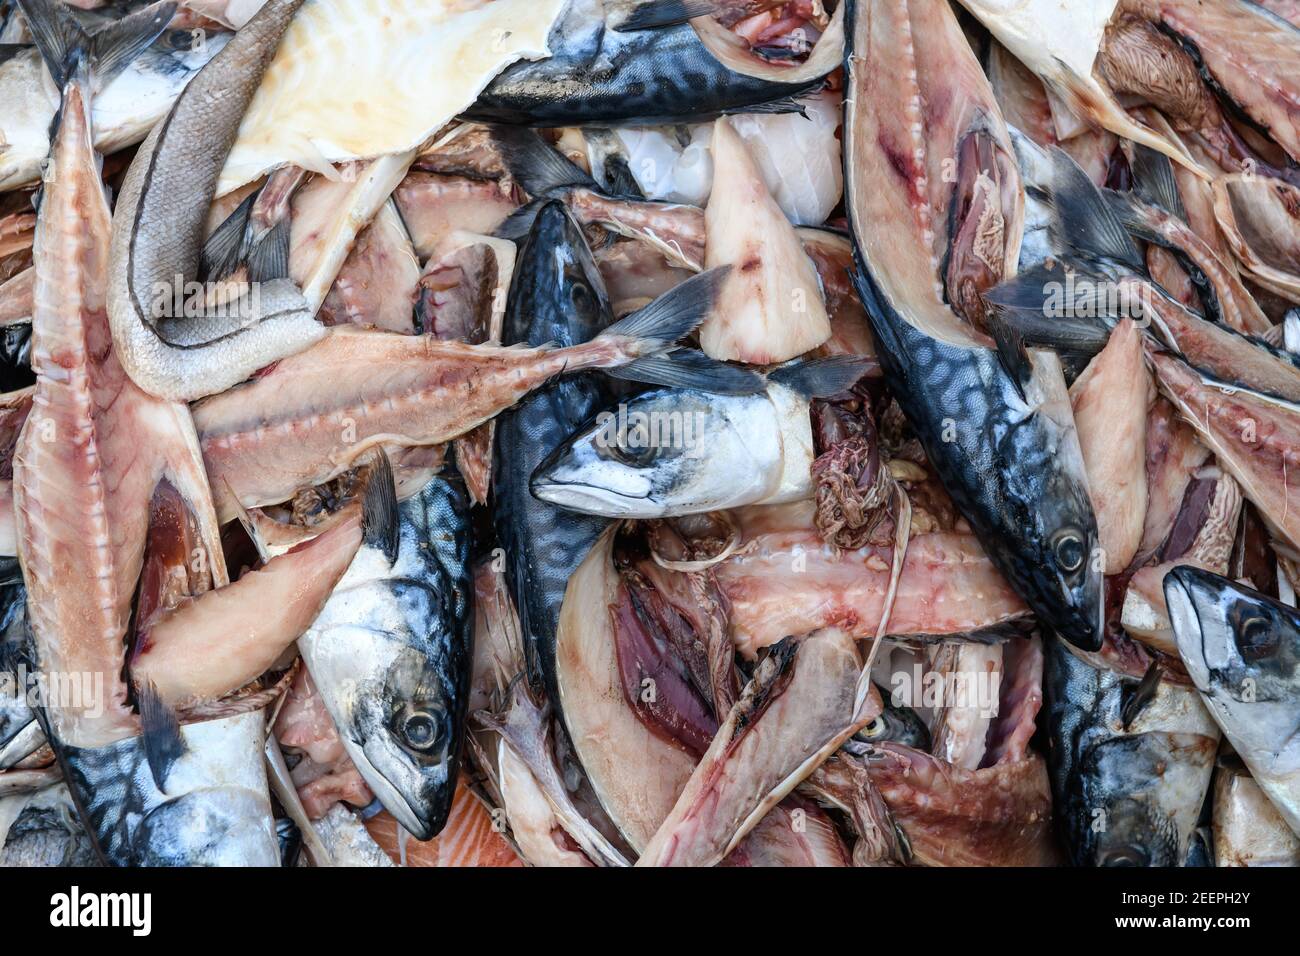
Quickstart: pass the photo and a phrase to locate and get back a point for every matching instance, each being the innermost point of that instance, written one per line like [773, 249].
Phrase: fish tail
[821, 378]
[1084, 222]
[539, 168]
[236, 245]
[687, 368]
[71, 53]
[675, 314]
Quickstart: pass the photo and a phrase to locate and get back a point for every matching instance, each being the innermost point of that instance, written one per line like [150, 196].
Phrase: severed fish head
[401, 726]
[668, 452]
[1242, 649]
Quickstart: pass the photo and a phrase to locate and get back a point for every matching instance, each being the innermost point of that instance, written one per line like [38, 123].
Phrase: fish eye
[873, 729]
[1068, 551]
[1124, 856]
[421, 729]
[1256, 637]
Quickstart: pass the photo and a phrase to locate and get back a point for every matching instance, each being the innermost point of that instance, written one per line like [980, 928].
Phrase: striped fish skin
[599, 75]
[557, 296]
[391, 651]
[212, 810]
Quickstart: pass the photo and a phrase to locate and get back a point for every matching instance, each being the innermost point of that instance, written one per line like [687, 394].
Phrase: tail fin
[674, 314]
[821, 378]
[687, 368]
[68, 50]
[1083, 220]
[541, 169]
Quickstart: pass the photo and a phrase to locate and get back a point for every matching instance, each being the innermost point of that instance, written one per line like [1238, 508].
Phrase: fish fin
[820, 378]
[379, 527]
[782, 104]
[113, 48]
[1012, 353]
[1154, 182]
[268, 256]
[676, 313]
[1023, 303]
[1134, 697]
[161, 732]
[68, 49]
[620, 181]
[519, 223]
[656, 14]
[1084, 221]
[687, 368]
[533, 163]
[224, 249]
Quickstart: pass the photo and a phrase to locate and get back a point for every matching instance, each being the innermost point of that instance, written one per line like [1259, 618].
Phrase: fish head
[1242, 650]
[557, 295]
[1071, 585]
[667, 452]
[401, 735]
[1131, 809]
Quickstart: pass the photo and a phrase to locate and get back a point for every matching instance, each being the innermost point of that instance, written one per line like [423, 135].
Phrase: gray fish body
[1124, 797]
[20, 734]
[212, 810]
[123, 113]
[1007, 466]
[1242, 649]
[599, 75]
[159, 228]
[557, 296]
[390, 654]
[680, 451]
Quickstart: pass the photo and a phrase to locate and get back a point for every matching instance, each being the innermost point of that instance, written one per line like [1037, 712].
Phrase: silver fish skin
[212, 809]
[391, 652]
[124, 111]
[680, 451]
[159, 228]
[1124, 795]
[1242, 649]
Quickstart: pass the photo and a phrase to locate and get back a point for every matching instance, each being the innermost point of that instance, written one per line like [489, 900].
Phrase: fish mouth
[418, 799]
[594, 500]
[1179, 587]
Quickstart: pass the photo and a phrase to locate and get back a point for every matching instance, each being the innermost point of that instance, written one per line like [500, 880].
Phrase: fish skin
[1003, 447]
[601, 76]
[395, 641]
[160, 227]
[1124, 797]
[212, 811]
[124, 110]
[558, 296]
[1254, 701]
[1002, 468]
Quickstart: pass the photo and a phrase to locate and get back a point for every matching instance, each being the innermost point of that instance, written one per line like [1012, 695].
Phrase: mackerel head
[937, 212]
